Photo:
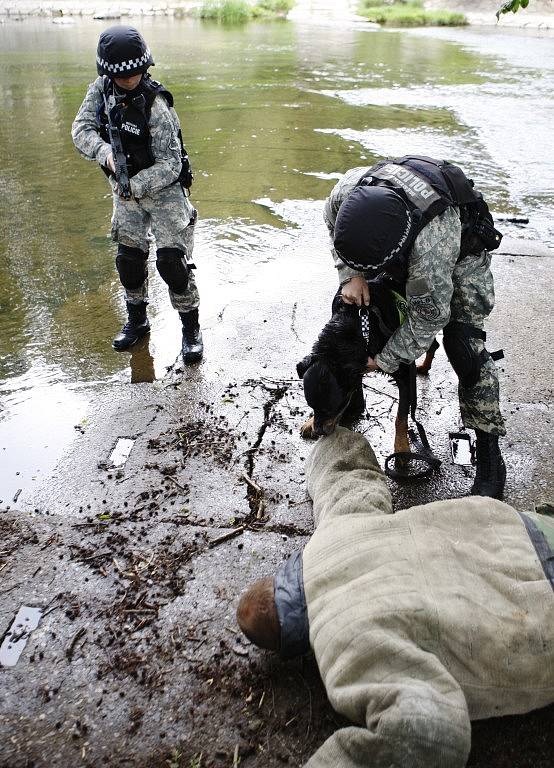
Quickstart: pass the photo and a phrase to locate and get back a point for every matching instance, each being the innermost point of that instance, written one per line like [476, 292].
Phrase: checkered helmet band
[125, 66]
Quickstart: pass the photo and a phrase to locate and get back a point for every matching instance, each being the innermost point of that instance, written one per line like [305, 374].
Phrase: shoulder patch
[424, 306]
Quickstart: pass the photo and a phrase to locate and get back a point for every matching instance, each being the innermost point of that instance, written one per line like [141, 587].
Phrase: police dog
[332, 373]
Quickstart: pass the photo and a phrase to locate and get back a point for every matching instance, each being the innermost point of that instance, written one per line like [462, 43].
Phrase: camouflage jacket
[431, 263]
[165, 146]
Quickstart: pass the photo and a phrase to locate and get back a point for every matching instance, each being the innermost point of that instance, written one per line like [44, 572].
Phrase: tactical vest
[131, 115]
[429, 187]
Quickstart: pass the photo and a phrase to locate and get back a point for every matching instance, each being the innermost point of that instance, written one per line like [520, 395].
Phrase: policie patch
[424, 306]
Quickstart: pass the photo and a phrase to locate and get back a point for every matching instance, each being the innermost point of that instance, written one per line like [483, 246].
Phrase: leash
[423, 453]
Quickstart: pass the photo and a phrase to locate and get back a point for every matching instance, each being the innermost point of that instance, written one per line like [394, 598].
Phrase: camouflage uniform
[158, 204]
[438, 290]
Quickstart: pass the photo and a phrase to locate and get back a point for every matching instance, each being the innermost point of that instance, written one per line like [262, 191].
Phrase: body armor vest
[131, 115]
[429, 187]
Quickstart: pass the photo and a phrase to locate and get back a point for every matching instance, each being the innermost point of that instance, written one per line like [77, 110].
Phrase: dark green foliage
[511, 5]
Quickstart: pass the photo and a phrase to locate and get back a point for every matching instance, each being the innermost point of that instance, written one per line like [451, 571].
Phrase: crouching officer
[420, 223]
[128, 125]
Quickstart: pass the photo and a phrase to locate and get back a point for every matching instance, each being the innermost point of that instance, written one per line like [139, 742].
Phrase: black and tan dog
[332, 373]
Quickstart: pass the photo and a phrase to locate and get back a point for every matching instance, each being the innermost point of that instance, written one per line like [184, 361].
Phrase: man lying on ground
[420, 621]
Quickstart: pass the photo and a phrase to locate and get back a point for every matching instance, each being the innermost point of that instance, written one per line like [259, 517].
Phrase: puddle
[15, 639]
[40, 424]
[121, 452]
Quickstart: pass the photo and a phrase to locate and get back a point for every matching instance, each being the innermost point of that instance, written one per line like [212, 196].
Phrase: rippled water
[272, 114]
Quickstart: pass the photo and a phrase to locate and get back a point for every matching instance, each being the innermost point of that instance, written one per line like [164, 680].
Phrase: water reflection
[38, 422]
[142, 363]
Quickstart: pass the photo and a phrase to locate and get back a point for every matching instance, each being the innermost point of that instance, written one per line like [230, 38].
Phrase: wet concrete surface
[137, 660]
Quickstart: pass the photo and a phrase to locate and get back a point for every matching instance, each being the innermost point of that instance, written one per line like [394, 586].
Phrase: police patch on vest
[131, 128]
[418, 189]
[424, 306]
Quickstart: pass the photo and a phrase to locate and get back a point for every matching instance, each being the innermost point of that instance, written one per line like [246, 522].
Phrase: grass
[409, 13]
[239, 11]
[226, 11]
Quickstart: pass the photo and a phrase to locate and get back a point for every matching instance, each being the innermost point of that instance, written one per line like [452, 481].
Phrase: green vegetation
[513, 6]
[226, 11]
[276, 7]
[408, 13]
[237, 11]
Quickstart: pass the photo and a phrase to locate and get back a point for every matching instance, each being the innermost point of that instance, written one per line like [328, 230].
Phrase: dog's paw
[402, 463]
[307, 430]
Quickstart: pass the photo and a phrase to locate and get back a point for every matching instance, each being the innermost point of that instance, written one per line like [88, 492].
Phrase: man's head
[123, 55]
[257, 615]
[373, 228]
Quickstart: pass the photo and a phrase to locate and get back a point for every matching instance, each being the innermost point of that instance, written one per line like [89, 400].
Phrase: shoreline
[68, 9]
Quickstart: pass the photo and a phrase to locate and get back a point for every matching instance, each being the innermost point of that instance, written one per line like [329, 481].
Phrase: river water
[272, 114]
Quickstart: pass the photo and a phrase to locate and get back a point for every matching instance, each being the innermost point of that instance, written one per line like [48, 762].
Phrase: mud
[138, 660]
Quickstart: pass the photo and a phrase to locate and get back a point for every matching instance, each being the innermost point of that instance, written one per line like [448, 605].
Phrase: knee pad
[131, 266]
[173, 268]
[465, 361]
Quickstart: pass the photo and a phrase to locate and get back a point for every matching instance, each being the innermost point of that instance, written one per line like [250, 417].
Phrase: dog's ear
[304, 364]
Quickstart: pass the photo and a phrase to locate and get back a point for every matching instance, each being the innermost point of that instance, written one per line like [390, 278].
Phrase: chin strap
[423, 452]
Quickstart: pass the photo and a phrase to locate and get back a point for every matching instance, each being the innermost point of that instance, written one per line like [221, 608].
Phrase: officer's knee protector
[173, 268]
[131, 266]
[465, 361]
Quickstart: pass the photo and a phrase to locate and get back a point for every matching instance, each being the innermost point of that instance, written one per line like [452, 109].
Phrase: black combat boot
[490, 475]
[134, 329]
[193, 347]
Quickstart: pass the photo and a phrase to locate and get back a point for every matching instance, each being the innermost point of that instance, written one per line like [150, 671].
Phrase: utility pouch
[487, 233]
[185, 176]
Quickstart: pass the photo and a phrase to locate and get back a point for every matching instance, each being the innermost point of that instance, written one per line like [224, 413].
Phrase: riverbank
[539, 15]
[482, 13]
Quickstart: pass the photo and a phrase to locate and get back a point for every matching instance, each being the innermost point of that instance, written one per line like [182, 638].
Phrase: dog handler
[420, 221]
[419, 621]
[159, 171]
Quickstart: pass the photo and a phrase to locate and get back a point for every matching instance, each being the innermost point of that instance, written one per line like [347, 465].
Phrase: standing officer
[420, 222]
[141, 111]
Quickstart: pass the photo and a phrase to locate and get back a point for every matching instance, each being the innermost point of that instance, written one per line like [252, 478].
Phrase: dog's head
[334, 369]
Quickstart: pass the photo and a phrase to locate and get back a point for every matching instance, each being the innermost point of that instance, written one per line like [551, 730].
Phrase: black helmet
[373, 227]
[122, 52]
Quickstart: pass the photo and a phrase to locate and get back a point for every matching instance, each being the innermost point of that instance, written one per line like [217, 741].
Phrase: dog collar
[364, 321]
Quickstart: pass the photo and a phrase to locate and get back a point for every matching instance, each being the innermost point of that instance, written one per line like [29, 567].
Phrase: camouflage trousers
[472, 302]
[167, 216]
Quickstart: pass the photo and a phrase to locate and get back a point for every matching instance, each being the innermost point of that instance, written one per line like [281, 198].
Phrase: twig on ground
[168, 477]
[226, 537]
[251, 483]
[71, 647]
[297, 503]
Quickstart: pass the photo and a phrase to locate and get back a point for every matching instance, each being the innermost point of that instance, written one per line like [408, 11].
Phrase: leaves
[511, 5]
